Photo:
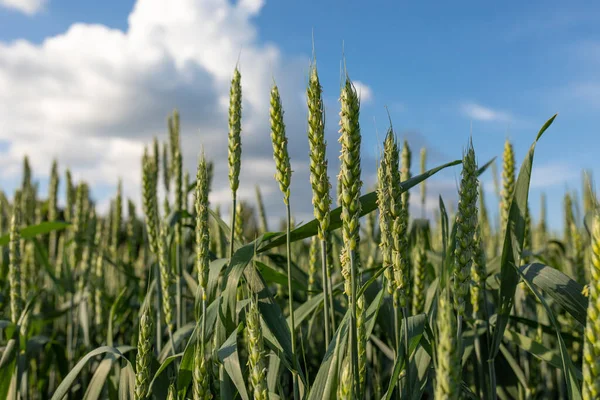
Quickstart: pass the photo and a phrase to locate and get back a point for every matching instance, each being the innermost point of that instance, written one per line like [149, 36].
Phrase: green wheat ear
[279, 140]
[508, 182]
[202, 225]
[201, 375]
[235, 129]
[419, 276]
[383, 203]
[256, 353]
[399, 226]
[144, 356]
[447, 371]
[350, 170]
[591, 344]
[344, 390]
[466, 222]
[319, 180]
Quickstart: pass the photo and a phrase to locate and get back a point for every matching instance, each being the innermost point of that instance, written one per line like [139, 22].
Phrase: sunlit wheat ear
[201, 375]
[239, 222]
[344, 390]
[256, 353]
[383, 203]
[399, 226]
[350, 171]
[362, 339]
[202, 225]
[447, 370]
[466, 223]
[508, 182]
[283, 173]
[149, 201]
[319, 179]
[419, 275]
[350, 176]
[172, 392]
[235, 129]
[166, 276]
[144, 355]
[591, 344]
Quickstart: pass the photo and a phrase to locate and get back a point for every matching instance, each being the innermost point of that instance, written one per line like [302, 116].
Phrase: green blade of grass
[513, 244]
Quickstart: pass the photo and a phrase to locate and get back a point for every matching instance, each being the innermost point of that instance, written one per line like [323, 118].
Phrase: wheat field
[364, 302]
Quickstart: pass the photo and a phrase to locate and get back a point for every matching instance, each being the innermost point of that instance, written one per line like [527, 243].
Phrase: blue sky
[504, 69]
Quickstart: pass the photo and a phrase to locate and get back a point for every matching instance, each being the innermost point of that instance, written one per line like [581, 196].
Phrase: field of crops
[364, 302]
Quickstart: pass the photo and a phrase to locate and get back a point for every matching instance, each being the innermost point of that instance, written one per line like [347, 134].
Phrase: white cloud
[28, 7]
[481, 113]
[365, 93]
[94, 96]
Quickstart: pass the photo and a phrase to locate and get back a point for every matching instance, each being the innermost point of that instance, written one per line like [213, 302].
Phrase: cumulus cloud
[481, 113]
[93, 97]
[28, 7]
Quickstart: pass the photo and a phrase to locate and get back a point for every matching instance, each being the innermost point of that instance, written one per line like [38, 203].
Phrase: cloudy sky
[90, 83]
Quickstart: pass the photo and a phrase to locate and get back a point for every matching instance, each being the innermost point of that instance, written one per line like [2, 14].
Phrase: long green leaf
[162, 367]
[228, 355]
[513, 244]
[568, 368]
[564, 290]
[69, 380]
[327, 380]
[96, 385]
[127, 382]
[241, 258]
[538, 350]
[8, 363]
[34, 230]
